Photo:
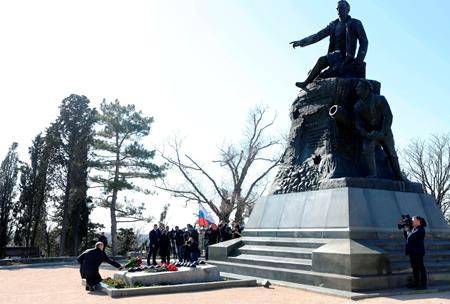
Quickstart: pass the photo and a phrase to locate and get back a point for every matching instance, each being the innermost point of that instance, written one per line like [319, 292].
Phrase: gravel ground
[62, 285]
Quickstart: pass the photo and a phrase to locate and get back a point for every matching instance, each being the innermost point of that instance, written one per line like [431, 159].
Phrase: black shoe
[301, 85]
[87, 288]
[411, 286]
[423, 287]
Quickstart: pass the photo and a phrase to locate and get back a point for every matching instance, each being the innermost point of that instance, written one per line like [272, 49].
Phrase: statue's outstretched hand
[297, 43]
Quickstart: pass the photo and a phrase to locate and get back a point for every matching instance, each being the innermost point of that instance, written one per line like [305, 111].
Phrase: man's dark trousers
[93, 278]
[419, 272]
[153, 251]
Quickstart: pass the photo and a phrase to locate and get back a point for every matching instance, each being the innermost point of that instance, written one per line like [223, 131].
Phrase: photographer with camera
[414, 233]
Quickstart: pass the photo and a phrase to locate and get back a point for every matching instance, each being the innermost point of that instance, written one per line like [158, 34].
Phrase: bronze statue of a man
[344, 33]
[373, 120]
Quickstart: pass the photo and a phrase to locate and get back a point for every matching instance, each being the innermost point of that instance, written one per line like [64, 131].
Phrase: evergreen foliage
[121, 159]
[8, 178]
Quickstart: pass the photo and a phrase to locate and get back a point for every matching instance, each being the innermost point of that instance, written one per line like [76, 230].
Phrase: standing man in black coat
[90, 261]
[415, 249]
[173, 247]
[164, 246]
[179, 241]
[154, 238]
[192, 232]
[224, 232]
[211, 238]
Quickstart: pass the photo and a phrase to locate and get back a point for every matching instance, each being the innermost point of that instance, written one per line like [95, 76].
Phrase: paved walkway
[62, 285]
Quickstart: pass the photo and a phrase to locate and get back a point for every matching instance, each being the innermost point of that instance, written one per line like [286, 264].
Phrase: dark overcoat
[415, 241]
[354, 32]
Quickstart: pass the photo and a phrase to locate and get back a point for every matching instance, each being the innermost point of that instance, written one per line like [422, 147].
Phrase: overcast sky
[198, 66]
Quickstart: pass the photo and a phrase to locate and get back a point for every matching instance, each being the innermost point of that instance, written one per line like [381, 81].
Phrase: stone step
[281, 274]
[278, 251]
[284, 242]
[400, 245]
[431, 266]
[431, 255]
[277, 262]
[436, 287]
[327, 280]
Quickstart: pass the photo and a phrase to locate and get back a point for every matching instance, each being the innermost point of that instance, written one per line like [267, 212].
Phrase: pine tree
[121, 159]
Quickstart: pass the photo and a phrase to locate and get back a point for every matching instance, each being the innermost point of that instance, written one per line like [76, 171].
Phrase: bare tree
[246, 165]
[428, 162]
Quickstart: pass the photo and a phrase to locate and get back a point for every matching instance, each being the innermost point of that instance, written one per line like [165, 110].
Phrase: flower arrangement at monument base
[133, 262]
[163, 267]
[115, 283]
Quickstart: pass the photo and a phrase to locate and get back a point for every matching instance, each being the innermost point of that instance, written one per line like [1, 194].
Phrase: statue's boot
[321, 64]
[301, 85]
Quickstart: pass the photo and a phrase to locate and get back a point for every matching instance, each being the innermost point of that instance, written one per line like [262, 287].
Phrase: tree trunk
[65, 222]
[114, 200]
[240, 205]
[3, 227]
[240, 208]
[62, 241]
[75, 230]
[113, 222]
[47, 241]
[38, 215]
[224, 216]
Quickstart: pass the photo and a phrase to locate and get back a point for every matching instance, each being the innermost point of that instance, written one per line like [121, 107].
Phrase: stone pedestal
[325, 223]
[346, 212]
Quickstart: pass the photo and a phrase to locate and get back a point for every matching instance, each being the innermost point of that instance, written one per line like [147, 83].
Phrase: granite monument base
[343, 238]
[345, 212]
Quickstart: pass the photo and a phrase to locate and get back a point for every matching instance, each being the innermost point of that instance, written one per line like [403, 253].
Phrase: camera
[406, 221]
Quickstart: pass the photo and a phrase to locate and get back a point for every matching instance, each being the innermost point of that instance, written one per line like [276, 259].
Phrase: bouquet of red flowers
[134, 262]
[171, 267]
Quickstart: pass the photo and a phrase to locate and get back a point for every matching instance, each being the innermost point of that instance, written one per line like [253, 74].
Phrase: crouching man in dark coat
[90, 261]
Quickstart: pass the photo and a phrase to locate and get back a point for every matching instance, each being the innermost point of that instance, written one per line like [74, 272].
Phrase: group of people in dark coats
[182, 244]
[216, 234]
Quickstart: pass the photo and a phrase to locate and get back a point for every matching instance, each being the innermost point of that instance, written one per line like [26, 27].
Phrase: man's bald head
[99, 245]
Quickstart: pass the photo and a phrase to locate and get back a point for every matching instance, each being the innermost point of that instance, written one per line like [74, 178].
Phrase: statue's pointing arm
[313, 38]
[363, 42]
